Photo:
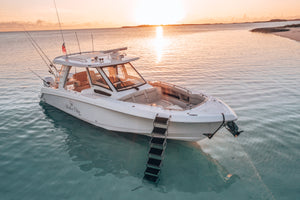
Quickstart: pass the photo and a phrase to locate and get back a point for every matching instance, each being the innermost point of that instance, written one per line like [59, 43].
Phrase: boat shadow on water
[185, 167]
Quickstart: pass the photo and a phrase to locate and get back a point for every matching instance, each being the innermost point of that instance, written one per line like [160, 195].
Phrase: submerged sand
[293, 33]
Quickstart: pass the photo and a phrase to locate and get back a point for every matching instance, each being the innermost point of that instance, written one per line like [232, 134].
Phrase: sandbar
[293, 33]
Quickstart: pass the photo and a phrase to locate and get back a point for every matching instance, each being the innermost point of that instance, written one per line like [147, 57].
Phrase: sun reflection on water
[159, 43]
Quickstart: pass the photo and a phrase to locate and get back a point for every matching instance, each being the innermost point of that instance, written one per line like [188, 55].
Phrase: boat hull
[109, 119]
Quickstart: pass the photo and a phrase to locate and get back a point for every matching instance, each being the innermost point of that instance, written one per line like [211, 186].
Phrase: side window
[97, 79]
[77, 79]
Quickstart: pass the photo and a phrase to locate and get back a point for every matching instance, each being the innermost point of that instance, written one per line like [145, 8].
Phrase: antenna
[78, 43]
[62, 35]
[92, 42]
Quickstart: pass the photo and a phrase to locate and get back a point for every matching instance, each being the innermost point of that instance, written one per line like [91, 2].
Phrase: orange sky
[40, 14]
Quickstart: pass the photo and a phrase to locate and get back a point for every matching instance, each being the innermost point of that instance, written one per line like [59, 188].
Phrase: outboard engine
[233, 128]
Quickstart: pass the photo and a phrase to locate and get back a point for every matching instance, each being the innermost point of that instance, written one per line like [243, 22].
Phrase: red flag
[64, 48]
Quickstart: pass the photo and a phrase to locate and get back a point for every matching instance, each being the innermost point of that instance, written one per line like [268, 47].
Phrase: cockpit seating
[81, 81]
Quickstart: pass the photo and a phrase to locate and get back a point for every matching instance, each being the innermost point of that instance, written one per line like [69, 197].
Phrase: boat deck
[166, 105]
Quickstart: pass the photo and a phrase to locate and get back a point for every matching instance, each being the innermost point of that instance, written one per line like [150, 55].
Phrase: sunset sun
[159, 12]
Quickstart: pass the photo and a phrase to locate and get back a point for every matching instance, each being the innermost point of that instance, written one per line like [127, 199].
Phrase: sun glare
[159, 43]
[159, 12]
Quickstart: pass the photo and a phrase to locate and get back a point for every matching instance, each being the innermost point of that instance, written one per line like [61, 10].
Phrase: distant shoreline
[289, 31]
[170, 25]
[147, 25]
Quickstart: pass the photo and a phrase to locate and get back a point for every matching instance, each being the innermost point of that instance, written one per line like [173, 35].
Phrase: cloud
[42, 25]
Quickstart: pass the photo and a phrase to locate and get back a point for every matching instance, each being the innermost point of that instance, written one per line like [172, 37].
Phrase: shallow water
[48, 154]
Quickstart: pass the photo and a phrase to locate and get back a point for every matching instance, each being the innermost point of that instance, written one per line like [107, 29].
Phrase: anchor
[233, 128]
[230, 126]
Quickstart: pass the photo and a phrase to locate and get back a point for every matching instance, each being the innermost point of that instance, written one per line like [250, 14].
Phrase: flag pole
[62, 35]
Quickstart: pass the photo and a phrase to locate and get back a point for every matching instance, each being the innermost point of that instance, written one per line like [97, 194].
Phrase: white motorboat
[103, 88]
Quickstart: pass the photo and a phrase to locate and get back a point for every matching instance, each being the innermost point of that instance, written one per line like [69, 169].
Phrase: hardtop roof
[95, 58]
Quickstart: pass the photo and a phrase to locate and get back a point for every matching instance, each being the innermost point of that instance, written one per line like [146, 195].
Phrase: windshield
[123, 76]
[96, 78]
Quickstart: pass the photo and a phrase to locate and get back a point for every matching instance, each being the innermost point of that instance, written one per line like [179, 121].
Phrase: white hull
[135, 118]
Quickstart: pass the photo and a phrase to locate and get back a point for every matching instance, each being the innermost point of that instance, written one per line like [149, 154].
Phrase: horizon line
[153, 25]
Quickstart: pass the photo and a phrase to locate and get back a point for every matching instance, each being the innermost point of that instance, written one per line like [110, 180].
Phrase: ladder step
[157, 146]
[157, 130]
[151, 178]
[165, 126]
[155, 140]
[161, 120]
[154, 162]
[152, 171]
[156, 151]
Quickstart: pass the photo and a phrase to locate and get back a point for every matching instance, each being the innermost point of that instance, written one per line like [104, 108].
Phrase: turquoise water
[47, 154]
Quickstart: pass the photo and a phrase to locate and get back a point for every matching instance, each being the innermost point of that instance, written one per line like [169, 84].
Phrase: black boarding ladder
[157, 146]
